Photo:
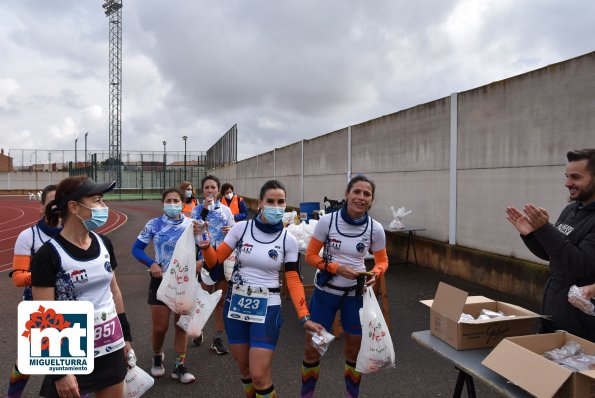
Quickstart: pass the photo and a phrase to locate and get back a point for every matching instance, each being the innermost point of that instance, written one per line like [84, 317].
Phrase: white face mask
[229, 196]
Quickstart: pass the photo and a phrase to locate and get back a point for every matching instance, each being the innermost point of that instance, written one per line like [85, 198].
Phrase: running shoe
[157, 369]
[218, 346]
[181, 373]
[197, 341]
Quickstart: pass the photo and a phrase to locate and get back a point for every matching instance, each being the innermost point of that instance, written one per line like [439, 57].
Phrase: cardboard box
[520, 360]
[450, 302]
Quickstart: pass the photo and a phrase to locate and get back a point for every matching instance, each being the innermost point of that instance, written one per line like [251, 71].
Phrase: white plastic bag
[203, 308]
[137, 381]
[321, 341]
[575, 297]
[397, 222]
[376, 351]
[177, 287]
[228, 266]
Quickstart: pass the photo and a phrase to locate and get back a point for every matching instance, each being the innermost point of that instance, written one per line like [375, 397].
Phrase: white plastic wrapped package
[575, 297]
[397, 222]
[177, 286]
[567, 350]
[302, 233]
[322, 341]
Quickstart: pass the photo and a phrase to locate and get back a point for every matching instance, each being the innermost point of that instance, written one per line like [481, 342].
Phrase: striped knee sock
[248, 388]
[310, 373]
[180, 358]
[352, 380]
[267, 393]
[17, 383]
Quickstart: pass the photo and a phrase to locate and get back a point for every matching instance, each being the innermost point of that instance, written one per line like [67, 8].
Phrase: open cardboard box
[448, 305]
[520, 360]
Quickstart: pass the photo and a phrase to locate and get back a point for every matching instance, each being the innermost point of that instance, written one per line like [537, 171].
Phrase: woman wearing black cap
[78, 264]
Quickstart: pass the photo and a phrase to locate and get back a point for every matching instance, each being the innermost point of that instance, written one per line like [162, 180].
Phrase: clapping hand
[533, 218]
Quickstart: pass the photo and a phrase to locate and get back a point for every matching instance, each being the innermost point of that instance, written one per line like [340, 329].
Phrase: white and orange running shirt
[260, 256]
[349, 244]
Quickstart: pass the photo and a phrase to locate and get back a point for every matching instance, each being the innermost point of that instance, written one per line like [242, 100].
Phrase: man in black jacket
[569, 245]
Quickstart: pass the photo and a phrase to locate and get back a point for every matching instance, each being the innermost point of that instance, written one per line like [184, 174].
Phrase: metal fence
[142, 173]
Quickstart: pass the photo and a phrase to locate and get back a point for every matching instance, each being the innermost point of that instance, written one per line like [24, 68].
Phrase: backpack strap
[33, 243]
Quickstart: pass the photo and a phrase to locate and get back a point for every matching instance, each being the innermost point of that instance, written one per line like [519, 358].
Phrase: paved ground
[418, 373]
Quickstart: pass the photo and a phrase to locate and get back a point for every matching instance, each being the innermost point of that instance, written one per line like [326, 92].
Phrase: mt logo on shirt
[247, 248]
[335, 243]
[79, 276]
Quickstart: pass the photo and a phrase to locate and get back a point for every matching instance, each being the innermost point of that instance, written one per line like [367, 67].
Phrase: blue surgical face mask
[98, 218]
[172, 210]
[273, 214]
[188, 193]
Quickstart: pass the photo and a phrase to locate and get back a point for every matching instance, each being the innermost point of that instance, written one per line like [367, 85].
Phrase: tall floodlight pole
[113, 10]
[164, 162]
[185, 174]
[86, 134]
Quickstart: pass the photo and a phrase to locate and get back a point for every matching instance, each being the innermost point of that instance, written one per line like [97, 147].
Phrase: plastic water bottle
[203, 236]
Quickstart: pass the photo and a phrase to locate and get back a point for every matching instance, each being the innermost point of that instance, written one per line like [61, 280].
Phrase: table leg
[462, 379]
[412, 238]
[407, 252]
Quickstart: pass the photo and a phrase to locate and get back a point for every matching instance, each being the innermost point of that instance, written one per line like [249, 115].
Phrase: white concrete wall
[513, 136]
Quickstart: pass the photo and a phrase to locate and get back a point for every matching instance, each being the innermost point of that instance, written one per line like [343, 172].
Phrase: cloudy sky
[282, 70]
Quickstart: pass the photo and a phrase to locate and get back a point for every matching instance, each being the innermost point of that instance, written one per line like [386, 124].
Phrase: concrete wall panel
[423, 192]
[266, 165]
[316, 187]
[527, 120]
[484, 196]
[413, 139]
[288, 160]
[326, 154]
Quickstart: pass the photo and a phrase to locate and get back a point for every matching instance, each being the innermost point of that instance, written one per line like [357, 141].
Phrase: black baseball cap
[88, 188]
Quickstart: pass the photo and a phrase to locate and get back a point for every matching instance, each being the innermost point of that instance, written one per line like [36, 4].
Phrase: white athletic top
[30, 238]
[260, 256]
[349, 244]
[85, 280]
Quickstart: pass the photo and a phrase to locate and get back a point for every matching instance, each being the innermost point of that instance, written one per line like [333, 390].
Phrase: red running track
[18, 213]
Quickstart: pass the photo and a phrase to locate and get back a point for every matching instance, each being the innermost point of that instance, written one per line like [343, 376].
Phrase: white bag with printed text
[177, 287]
[137, 381]
[204, 305]
[376, 351]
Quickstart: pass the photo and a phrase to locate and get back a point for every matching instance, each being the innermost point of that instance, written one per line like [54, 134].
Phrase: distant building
[5, 162]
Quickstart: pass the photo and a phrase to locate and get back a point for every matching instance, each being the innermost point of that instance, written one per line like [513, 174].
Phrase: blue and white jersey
[221, 216]
[165, 233]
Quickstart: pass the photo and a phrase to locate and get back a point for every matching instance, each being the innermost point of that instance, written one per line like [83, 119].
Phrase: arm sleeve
[44, 266]
[110, 250]
[313, 258]
[296, 290]
[577, 260]
[21, 276]
[138, 251]
[216, 256]
[243, 214]
[380, 262]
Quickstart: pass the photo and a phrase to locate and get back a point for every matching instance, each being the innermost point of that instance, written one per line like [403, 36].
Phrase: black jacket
[570, 248]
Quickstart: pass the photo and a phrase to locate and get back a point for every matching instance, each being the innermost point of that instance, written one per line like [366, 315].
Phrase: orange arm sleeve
[296, 290]
[213, 256]
[21, 276]
[315, 260]
[380, 262]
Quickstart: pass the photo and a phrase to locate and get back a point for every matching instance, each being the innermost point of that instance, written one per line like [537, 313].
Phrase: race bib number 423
[248, 304]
